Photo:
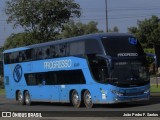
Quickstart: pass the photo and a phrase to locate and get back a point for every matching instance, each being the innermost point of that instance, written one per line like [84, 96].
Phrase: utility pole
[106, 16]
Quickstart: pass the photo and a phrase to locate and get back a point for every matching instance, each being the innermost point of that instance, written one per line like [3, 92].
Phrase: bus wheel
[20, 98]
[75, 99]
[27, 98]
[87, 99]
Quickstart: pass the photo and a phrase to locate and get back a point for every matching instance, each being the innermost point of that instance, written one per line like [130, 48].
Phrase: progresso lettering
[127, 54]
[58, 64]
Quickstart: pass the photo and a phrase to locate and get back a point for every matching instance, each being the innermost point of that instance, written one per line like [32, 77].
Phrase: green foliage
[20, 39]
[43, 18]
[149, 59]
[70, 30]
[76, 29]
[149, 50]
[147, 31]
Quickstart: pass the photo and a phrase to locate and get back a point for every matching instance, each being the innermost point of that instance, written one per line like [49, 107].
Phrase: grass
[154, 88]
[2, 91]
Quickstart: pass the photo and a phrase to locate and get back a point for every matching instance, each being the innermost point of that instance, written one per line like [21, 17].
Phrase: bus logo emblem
[17, 73]
[132, 41]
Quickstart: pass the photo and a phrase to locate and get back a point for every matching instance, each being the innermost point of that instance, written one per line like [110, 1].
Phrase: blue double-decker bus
[91, 69]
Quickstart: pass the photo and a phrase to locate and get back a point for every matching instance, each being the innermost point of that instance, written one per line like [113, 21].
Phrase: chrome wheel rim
[75, 99]
[20, 97]
[88, 99]
[27, 98]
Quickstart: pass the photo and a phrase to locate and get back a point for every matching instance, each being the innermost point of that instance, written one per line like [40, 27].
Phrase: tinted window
[31, 79]
[55, 77]
[45, 53]
[28, 54]
[11, 57]
[7, 58]
[77, 48]
[71, 77]
[47, 78]
[16, 57]
[22, 56]
[114, 46]
[98, 68]
[53, 52]
[62, 49]
[38, 53]
[93, 47]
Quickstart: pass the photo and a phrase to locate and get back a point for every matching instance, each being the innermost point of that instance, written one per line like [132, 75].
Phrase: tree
[147, 31]
[76, 29]
[43, 18]
[115, 29]
[70, 30]
[19, 39]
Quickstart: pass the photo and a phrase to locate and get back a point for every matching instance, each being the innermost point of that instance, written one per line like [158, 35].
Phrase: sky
[121, 13]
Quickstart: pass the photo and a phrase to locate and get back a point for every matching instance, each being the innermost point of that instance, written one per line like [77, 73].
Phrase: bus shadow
[153, 100]
[51, 104]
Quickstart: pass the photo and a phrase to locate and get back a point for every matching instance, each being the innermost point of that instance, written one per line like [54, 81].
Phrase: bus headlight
[117, 93]
[146, 91]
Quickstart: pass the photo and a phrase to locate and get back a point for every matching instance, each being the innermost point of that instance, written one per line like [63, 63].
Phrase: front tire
[75, 98]
[87, 99]
[27, 98]
[20, 98]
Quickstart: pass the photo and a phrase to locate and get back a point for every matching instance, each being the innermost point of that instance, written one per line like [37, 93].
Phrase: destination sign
[127, 54]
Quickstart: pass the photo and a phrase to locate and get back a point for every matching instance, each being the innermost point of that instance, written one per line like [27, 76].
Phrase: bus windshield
[122, 46]
[129, 73]
[129, 66]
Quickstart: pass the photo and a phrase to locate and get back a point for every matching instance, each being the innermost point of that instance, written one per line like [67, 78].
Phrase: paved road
[152, 105]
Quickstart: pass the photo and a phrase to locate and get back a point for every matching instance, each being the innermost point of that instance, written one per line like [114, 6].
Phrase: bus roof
[61, 41]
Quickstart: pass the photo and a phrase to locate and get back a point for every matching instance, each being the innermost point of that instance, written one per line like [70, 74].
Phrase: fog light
[117, 93]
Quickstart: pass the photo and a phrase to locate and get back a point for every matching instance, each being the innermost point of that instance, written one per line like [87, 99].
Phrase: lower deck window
[55, 77]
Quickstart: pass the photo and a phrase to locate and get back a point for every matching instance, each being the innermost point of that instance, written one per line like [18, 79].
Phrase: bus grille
[133, 94]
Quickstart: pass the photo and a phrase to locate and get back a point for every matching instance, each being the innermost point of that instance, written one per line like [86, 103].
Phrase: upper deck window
[77, 48]
[73, 48]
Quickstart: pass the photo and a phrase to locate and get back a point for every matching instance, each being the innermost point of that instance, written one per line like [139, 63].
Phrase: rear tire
[75, 98]
[20, 98]
[27, 98]
[87, 99]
